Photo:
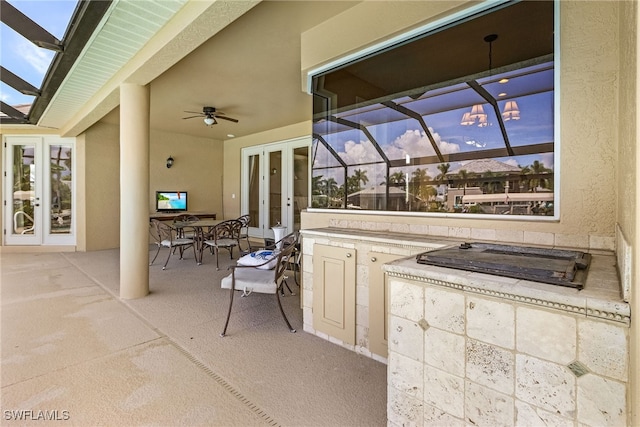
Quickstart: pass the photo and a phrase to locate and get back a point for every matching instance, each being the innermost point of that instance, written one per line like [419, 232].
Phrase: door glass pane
[60, 179]
[24, 189]
[254, 190]
[275, 188]
[300, 183]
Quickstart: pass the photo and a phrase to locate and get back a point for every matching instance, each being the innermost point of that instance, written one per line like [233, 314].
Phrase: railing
[15, 223]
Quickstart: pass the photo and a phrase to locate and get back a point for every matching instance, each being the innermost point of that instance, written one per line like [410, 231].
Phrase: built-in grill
[554, 266]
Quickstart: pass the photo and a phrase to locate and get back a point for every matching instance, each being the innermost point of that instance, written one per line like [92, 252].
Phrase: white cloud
[359, 152]
[414, 143]
[38, 58]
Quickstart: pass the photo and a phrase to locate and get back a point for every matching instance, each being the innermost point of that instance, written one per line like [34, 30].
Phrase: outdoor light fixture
[209, 120]
[466, 119]
[169, 162]
[490, 39]
[477, 114]
[511, 111]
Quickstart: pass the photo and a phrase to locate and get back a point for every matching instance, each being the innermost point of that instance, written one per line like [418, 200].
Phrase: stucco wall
[102, 187]
[197, 169]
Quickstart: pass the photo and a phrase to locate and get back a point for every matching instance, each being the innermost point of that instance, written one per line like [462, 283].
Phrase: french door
[275, 185]
[39, 196]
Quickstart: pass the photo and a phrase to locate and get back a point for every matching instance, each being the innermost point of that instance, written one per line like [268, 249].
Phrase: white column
[134, 191]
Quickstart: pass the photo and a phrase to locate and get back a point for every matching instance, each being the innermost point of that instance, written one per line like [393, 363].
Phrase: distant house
[491, 175]
[478, 167]
[374, 198]
[455, 197]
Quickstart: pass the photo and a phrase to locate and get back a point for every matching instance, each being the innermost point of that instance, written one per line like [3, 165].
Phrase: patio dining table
[198, 228]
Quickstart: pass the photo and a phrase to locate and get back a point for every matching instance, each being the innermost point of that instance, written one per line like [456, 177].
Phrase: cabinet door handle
[373, 259]
[348, 255]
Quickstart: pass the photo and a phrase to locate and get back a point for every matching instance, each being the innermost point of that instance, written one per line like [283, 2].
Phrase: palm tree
[360, 176]
[524, 181]
[538, 168]
[331, 187]
[464, 176]
[491, 187]
[417, 184]
[353, 184]
[395, 178]
[444, 169]
[316, 184]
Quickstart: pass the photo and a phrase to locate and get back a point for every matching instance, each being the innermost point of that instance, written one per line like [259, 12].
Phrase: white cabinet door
[379, 302]
[334, 292]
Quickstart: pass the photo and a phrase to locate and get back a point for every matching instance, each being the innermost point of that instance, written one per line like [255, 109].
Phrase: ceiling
[250, 70]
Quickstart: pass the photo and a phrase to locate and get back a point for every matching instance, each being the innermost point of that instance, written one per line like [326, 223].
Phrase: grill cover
[553, 266]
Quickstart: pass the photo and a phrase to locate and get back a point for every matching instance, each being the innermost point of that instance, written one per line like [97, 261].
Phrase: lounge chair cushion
[176, 242]
[252, 280]
[223, 242]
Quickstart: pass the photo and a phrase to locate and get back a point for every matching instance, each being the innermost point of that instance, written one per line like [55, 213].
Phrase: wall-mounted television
[171, 201]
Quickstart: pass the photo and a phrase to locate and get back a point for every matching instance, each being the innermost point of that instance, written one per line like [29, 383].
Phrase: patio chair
[225, 235]
[186, 232]
[296, 259]
[244, 232]
[165, 236]
[293, 261]
[254, 278]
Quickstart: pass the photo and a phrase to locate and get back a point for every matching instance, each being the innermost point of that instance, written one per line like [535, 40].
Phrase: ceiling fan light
[511, 111]
[466, 119]
[477, 111]
[209, 120]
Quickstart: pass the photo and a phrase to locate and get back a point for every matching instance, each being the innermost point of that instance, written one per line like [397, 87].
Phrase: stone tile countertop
[600, 297]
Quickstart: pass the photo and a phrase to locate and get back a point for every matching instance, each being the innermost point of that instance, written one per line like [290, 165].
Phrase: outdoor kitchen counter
[600, 296]
[468, 348]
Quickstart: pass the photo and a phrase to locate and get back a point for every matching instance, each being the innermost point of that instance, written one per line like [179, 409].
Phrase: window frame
[438, 24]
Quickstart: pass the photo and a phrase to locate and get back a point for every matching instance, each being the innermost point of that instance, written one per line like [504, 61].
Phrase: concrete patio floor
[74, 353]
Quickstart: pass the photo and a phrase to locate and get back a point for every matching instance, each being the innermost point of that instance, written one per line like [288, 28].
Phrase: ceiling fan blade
[195, 112]
[191, 117]
[225, 118]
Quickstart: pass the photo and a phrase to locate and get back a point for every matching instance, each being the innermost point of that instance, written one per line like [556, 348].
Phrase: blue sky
[22, 57]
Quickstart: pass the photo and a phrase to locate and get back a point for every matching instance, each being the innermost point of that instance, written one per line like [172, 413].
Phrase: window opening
[459, 120]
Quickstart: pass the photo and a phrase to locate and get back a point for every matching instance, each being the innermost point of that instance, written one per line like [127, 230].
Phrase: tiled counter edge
[469, 348]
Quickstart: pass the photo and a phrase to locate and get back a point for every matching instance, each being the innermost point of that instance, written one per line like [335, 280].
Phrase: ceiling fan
[210, 115]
